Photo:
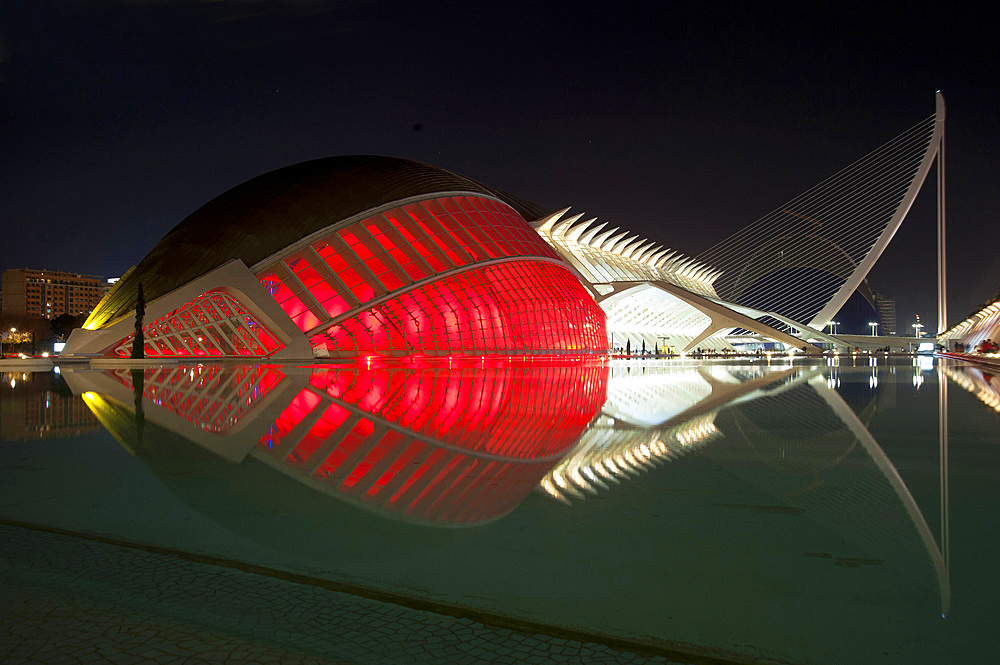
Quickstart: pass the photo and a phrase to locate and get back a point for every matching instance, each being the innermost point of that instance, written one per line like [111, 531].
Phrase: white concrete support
[721, 317]
[233, 278]
[942, 272]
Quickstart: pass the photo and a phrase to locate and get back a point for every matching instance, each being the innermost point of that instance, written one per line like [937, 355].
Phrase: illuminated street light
[833, 326]
[873, 325]
[917, 327]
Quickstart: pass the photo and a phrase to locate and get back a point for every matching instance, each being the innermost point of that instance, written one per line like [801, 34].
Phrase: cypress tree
[138, 343]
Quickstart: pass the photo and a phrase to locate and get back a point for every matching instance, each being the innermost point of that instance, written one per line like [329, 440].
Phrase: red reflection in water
[452, 442]
[213, 397]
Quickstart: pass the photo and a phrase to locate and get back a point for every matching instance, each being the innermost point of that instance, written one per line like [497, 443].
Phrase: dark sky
[683, 123]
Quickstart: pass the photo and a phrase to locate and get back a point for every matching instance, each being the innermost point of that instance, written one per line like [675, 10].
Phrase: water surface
[808, 511]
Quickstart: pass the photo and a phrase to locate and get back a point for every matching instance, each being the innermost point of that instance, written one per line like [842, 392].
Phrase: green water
[805, 512]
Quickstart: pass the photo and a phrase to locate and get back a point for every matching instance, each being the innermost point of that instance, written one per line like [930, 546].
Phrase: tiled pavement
[65, 599]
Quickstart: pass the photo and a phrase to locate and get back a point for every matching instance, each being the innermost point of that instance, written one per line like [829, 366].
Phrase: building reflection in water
[820, 459]
[448, 443]
[39, 406]
[654, 413]
[981, 381]
[464, 442]
[798, 434]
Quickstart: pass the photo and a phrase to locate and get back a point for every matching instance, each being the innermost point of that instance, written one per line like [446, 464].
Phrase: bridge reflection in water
[463, 443]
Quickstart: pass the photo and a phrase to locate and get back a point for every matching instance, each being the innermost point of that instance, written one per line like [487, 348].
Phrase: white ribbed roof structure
[981, 325]
[652, 295]
[791, 270]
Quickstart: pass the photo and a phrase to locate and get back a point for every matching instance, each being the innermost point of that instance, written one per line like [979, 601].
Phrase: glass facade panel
[458, 230]
[378, 261]
[516, 306]
[438, 234]
[382, 230]
[321, 290]
[361, 289]
[213, 324]
[293, 305]
[520, 306]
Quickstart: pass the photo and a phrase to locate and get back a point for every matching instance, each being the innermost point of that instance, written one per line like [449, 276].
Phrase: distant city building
[50, 293]
[108, 284]
[886, 314]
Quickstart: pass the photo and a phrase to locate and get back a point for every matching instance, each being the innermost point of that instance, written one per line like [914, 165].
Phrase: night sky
[682, 123]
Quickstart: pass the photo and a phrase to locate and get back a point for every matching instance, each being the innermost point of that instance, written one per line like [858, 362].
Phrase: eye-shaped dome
[349, 256]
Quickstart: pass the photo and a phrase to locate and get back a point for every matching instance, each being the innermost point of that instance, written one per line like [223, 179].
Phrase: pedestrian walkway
[69, 599]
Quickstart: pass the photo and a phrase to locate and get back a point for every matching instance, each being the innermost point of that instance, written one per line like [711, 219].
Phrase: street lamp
[833, 326]
[873, 325]
[917, 327]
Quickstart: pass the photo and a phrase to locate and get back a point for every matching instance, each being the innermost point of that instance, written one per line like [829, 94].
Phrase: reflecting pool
[767, 510]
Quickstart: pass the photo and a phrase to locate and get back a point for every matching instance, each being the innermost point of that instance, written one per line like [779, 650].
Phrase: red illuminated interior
[215, 324]
[515, 303]
[513, 307]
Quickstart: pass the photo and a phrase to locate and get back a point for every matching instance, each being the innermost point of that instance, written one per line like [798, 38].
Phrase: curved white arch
[848, 287]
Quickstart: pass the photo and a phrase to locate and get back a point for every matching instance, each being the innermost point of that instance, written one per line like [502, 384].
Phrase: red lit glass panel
[378, 262]
[215, 324]
[434, 257]
[323, 292]
[407, 261]
[514, 307]
[458, 227]
[296, 310]
[351, 278]
[447, 242]
[356, 246]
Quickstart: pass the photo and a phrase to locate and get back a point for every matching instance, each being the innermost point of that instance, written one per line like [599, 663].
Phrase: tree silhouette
[138, 342]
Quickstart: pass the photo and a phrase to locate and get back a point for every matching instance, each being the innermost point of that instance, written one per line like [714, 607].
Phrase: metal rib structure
[653, 296]
[804, 259]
